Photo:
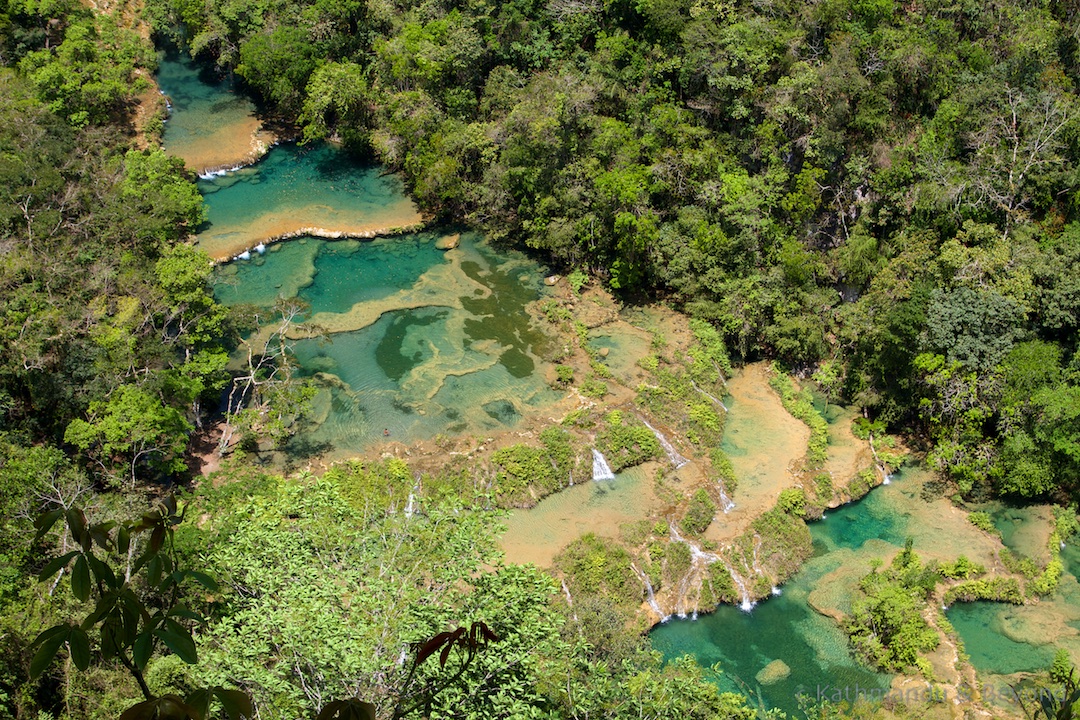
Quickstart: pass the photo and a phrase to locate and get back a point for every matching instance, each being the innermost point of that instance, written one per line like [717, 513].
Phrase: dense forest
[883, 192]
[880, 196]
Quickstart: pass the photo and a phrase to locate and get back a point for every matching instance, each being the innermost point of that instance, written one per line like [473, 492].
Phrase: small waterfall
[757, 546]
[410, 506]
[712, 397]
[887, 480]
[728, 503]
[673, 455]
[650, 594]
[600, 469]
[747, 604]
[776, 591]
[566, 591]
[699, 561]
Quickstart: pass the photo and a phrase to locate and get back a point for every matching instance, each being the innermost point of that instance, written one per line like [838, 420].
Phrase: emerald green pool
[296, 189]
[210, 124]
[786, 627]
[449, 349]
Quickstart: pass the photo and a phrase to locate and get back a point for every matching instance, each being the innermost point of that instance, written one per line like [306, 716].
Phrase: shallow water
[296, 189]
[1003, 639]
[418, 341]
[602, 507]
[762, 439]
[210, 124]
[787, 627]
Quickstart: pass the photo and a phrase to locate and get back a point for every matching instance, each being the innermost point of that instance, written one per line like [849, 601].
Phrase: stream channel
[419, 341]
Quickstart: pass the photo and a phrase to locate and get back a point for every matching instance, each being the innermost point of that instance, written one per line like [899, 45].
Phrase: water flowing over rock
[673, 455]
[700, 560]
[600, 468]
[716, 400]
[728, 503]
[650, 595]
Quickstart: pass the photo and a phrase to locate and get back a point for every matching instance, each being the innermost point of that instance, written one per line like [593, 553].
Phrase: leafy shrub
[625, 444]
[594, 388]
[792, 501]
[886, 626]
[597, 567]
[961, 569]
[801, 406]
[699, 514]
[577, 280]
[721, 464]
[997, 589]
[982, 521]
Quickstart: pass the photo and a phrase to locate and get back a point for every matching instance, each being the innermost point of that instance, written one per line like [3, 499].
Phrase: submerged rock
[448, 242]
[774, 672]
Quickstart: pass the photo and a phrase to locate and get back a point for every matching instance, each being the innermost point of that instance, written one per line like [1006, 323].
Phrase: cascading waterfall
[600, 468]
[728, 503]
[410, 506]
[673, 455]
[709, 395]
[699, 561]
[649, 593]
[747, 604]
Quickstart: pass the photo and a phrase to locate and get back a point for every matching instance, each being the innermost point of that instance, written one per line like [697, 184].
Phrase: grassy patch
[801, 406]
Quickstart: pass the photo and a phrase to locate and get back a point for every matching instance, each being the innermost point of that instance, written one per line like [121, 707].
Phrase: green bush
[699, 514]
[721, 465]
[801, 406]
[792, 501]
[982, 521]
[997, 589]
[626, 444]
[886, 626]
[594, 388]
[961, 569]
[597, 567]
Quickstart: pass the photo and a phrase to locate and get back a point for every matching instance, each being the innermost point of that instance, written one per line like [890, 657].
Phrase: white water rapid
[600, 469]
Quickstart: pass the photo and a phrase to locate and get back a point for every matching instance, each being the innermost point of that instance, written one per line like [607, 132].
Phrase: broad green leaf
[236, 704]
[178, 639]
[76, 522]
[46, 653]
[55, 564]
[143, 648]
[103, 572]
[181, 611]
[79, 644]
[203, 579]
[45, 522]
[199, 701]
[100, 533]
[123, 540]
[167, 707]
[80, 579]
[153, 570]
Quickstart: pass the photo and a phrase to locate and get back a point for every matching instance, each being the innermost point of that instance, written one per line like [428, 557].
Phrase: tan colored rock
[774, 672]
[448, 242]
[551, 280]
